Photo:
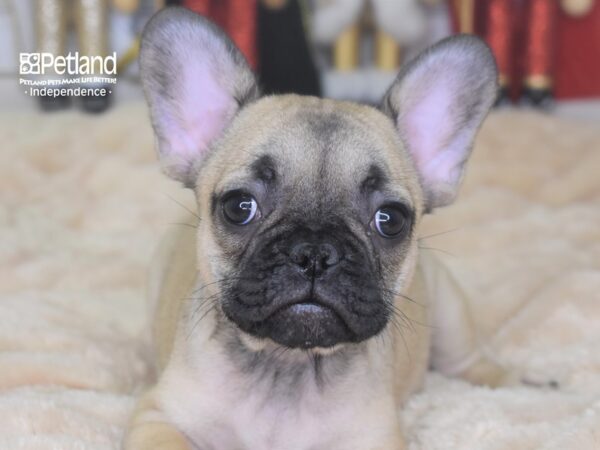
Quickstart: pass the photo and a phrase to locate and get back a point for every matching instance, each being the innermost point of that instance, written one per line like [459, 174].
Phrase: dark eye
[391, 221]
[239, 208]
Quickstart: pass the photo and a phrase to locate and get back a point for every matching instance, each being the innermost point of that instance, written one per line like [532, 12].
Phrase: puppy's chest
[263, 423]
[269, 418]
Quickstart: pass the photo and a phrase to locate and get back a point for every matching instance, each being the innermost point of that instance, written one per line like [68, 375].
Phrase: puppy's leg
[457, 348]
[148, 429]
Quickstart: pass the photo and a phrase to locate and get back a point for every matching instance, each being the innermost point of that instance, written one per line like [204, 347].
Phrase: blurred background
[548, 51]
[83, 206]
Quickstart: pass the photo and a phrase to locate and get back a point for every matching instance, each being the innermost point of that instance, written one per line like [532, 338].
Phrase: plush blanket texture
[82, 205]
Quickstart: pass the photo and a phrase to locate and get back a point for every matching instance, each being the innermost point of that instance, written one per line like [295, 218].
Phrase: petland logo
[74, 75]
[72, 64]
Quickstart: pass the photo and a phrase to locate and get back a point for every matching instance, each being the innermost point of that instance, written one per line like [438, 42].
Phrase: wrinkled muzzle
[306, 289]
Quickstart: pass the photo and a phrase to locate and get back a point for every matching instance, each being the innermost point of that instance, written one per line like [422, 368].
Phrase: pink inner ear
[202, 114]
[429, 125]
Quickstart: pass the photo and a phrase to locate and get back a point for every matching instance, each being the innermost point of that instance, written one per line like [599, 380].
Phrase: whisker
[404, 296]
[184, 207]
[222, 280]
[398, 314]
[438, 250]
[212, 305]
[380, 339]
[190, 225]
[412, 321]
[438, 234]
[398, 327]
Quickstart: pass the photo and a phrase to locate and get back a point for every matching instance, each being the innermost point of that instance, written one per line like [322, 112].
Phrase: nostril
[302, 255]
[314, 259]
[329, 256]
[305, 262]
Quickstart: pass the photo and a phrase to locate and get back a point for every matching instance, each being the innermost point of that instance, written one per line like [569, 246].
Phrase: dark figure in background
[285, 60]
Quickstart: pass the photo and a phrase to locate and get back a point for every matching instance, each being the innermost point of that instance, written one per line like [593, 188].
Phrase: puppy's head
[309, 208]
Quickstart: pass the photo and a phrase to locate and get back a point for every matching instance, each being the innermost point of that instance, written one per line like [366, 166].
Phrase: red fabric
[541, 38]
[241, 26]
[521, 35]
[202, 7]
[236, 17]
[575, 51]
[499, 34]
[578, 55]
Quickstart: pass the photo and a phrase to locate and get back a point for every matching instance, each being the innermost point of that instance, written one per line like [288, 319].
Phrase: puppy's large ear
[438, 102]
[195, 80]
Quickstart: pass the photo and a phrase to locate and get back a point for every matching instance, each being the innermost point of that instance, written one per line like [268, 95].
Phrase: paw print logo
[30, 64]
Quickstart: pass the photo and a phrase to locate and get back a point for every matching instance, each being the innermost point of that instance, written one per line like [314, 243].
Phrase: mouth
[305, 324]
[309, 307]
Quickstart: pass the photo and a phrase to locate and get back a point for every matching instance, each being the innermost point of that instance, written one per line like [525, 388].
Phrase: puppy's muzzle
[306, 289]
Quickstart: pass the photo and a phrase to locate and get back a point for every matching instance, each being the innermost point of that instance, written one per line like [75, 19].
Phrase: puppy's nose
[314, 259]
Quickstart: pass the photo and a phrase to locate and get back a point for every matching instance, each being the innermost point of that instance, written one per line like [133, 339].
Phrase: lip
[307, 324]
[313, 305]
[307, 307]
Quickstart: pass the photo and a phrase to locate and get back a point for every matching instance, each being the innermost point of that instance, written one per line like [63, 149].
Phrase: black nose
[314, 259]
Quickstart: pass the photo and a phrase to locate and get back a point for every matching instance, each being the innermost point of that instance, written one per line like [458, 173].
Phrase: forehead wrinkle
[306, 185]
[325, 132]
[387, 185]
[320, 150]
[243, 176]
[264, 168]
[398, 193]
[342, 149]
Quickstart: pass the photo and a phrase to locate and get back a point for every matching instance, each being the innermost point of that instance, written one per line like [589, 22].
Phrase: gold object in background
[387, 51]
[274, 4]
[465, 11]
[503, 80]
[345, 49]
[91, 23]
[577, 8]
[92, 27]
[538, 82]
[51, 24]
[129, 56]
[126, 6]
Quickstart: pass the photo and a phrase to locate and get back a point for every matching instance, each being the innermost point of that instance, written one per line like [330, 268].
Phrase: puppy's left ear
[438, 103]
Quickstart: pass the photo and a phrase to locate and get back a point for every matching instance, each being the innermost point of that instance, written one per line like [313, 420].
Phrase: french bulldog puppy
[299, 314]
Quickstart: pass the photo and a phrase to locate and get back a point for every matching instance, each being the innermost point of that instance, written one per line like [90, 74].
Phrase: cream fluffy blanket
[83, 205]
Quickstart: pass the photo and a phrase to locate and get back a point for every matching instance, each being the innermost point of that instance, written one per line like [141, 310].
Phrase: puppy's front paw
[491, 373]
[510, 376]
[538, 380]
[149, 429]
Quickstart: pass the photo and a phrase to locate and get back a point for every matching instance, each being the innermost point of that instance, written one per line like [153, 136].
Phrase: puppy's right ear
[195, 80]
